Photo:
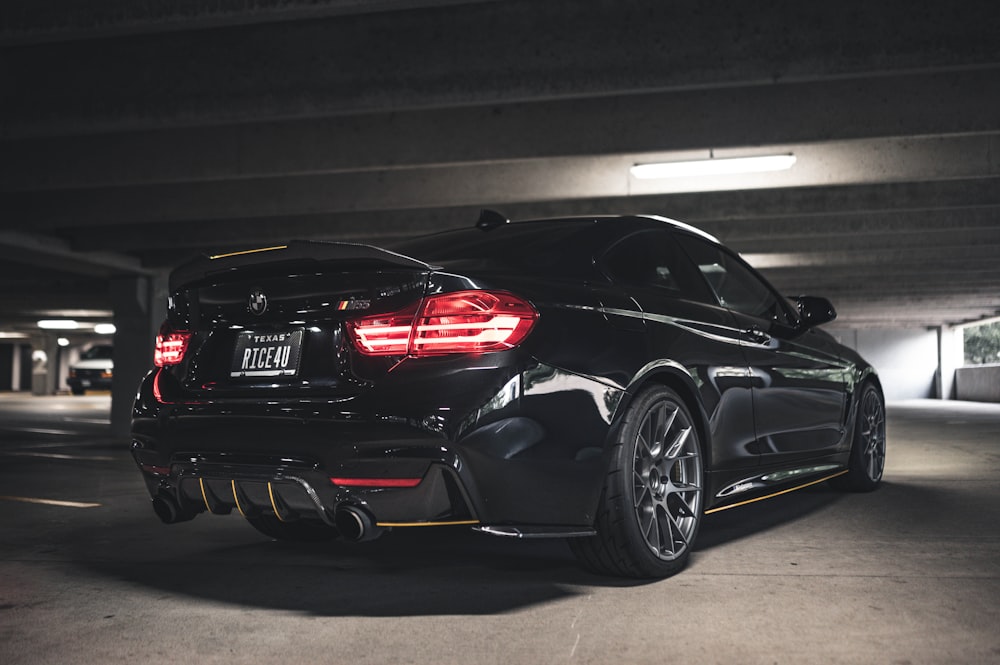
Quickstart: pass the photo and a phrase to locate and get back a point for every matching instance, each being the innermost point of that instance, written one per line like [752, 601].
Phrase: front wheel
[651, 504]
[867, 461]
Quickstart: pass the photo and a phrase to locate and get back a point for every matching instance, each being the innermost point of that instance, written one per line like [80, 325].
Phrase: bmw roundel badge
[257, 304]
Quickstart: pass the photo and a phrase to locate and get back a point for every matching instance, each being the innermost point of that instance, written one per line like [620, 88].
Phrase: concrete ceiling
[133, 135]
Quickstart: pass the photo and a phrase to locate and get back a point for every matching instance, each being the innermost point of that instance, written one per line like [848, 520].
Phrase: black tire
[77, 390]
[867, 460]
[303, 530]
[651, 505]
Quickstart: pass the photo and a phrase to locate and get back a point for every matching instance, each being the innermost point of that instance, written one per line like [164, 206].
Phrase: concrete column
[52, 373]
[15, 368]
[950, 358]
[140, 307]
[39, 369]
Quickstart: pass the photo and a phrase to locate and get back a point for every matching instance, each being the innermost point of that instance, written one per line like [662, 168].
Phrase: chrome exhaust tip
[356, 524]
[169, 511]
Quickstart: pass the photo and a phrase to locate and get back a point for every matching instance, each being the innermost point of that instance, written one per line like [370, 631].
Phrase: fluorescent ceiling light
[703, 167]
[58, 324]
[105, 329]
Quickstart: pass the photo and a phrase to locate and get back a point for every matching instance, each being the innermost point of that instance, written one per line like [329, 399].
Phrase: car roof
[563, 246]
[630, 222]
[681, 225]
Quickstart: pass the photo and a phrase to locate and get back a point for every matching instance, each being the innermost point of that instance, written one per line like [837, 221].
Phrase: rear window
[551, 247]
[98, 353]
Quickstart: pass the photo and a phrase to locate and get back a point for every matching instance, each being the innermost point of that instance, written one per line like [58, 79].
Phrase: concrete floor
[908, 574]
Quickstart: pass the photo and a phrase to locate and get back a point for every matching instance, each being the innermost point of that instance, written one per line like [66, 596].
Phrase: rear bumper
[513, 457]
[295, 489]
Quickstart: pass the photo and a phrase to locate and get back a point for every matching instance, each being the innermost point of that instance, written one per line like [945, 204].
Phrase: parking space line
[40, 430]
[47, 444]
[86, 458]
[50, 502]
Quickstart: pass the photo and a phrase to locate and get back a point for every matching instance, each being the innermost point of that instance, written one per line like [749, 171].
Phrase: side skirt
[532, 531]
[757, 484]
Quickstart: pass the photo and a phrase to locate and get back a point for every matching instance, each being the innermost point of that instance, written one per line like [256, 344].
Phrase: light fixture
[62, 341]
[703, 167]
[58, 324]
[105, 328]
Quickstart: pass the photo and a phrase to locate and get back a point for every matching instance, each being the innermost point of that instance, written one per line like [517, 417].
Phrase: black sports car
[608, 380]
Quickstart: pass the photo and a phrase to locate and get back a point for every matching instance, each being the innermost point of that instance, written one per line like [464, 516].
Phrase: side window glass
[652, 259]
[736, 286]
[642, 259]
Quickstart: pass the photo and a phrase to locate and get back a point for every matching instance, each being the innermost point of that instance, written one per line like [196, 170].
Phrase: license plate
[267, 354]
[84, 383]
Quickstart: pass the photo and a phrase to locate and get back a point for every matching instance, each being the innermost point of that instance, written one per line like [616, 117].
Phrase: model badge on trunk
[258, 302]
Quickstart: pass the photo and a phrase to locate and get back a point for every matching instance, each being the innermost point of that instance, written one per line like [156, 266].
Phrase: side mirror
[814, 311]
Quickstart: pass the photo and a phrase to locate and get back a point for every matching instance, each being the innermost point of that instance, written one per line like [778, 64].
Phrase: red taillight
[385, 334]
[460, 322]
[376, 482]
[471, 322]
[171, 345]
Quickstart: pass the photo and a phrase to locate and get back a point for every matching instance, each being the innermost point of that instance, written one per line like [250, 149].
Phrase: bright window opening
[982, 344]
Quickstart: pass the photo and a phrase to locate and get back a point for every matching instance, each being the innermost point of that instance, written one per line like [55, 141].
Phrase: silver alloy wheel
[666, 480]
[872, 433]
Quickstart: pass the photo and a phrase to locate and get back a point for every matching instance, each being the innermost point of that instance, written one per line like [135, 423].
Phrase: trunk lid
[274, 318]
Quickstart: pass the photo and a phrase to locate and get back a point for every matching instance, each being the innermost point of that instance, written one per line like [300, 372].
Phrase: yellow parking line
[50, 502]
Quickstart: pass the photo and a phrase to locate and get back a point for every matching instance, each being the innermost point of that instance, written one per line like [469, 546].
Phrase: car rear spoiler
[296, 251]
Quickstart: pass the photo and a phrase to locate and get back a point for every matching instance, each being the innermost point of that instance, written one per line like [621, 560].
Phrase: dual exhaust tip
[356, 524]
[169, 511]
[352, 523]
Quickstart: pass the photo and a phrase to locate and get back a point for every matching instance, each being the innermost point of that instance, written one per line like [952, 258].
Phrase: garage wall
[978, 384]
[906, 359]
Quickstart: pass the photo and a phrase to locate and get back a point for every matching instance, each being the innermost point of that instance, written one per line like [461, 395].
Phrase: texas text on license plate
[267, 353]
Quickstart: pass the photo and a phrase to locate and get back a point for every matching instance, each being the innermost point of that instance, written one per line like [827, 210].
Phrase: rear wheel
[650, 508]
[867, 461]
[298, 530]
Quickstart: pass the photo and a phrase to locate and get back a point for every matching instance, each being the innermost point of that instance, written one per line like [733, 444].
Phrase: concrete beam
[874, 107]
[38, 302]
[469, 54]
[928, 315]
[42, 22]
[46, 250]
[835, 163]
[732, 216]
[927, 256]
[893, 286]
[908, 224]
